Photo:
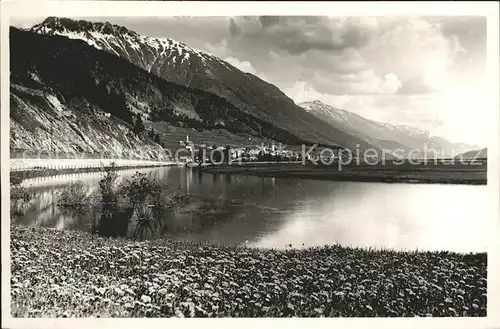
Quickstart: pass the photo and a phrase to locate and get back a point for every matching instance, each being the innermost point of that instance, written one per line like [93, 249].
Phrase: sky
[426, 72]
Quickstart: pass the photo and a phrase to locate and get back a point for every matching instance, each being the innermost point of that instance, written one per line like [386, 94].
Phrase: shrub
[147, 199]
[107, 185]
[150, 202]
[17, 192]
[141, 192]
[109, 190]
[73, 196]
[145, 222]
[164, 201]
[138, 189]
[15, 180]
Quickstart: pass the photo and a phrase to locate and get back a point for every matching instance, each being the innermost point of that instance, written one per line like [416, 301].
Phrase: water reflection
[433, 217]
[200, 175]
[189, 180]
[113, 221]
[269, 212]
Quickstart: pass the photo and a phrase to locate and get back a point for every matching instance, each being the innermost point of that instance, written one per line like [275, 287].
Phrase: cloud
[414, 86]
[244, 66]
[359, 83]
[415, 50]
[219, 49]
[25, 22]
[266, 21]
[234, 29]
[297, 35]
[390, 84]
[408, 55]
[420, 71]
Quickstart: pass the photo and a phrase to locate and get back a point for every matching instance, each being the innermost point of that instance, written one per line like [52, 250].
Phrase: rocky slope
[44, 125]
[383, 134]
[69, 96]
[178, 63]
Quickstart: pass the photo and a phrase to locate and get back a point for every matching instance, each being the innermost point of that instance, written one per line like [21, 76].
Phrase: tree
[157, 138]
[119, 107]
[127, 115]
[227, 154]
[216, 156]
[112, 101]
[138, 125]
[199, 156]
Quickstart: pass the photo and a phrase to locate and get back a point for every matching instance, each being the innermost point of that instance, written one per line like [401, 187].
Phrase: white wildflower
[145, 299]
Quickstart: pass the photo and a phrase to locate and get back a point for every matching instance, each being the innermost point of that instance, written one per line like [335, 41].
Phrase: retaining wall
[40, 164]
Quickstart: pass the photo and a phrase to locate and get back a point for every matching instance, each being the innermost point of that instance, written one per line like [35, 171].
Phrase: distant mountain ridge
[178, 63]
[382, 134]
[474, 154]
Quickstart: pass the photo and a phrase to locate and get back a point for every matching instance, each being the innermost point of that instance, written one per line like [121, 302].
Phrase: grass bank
[388, 173]
[65, 274]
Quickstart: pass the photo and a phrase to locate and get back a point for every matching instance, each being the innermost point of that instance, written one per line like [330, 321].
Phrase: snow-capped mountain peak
[60, 25]
[151, 53]
[317, 107]
[387, 135]
[413, 131]
[343, 116]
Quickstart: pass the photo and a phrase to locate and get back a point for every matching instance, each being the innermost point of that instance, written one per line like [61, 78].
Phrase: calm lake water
[272, 212]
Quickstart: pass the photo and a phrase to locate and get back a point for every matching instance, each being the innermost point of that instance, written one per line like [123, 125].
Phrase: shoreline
[163, 278]
[439, 174]
[417, 174]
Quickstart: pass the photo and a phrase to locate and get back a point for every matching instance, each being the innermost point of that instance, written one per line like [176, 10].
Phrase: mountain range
[183, 65]
[87, 81]
[474, 154]
[52, 75]
[385, 135]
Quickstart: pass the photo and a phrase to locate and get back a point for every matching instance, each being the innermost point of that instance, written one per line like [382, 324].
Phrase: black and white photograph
[283, 165]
